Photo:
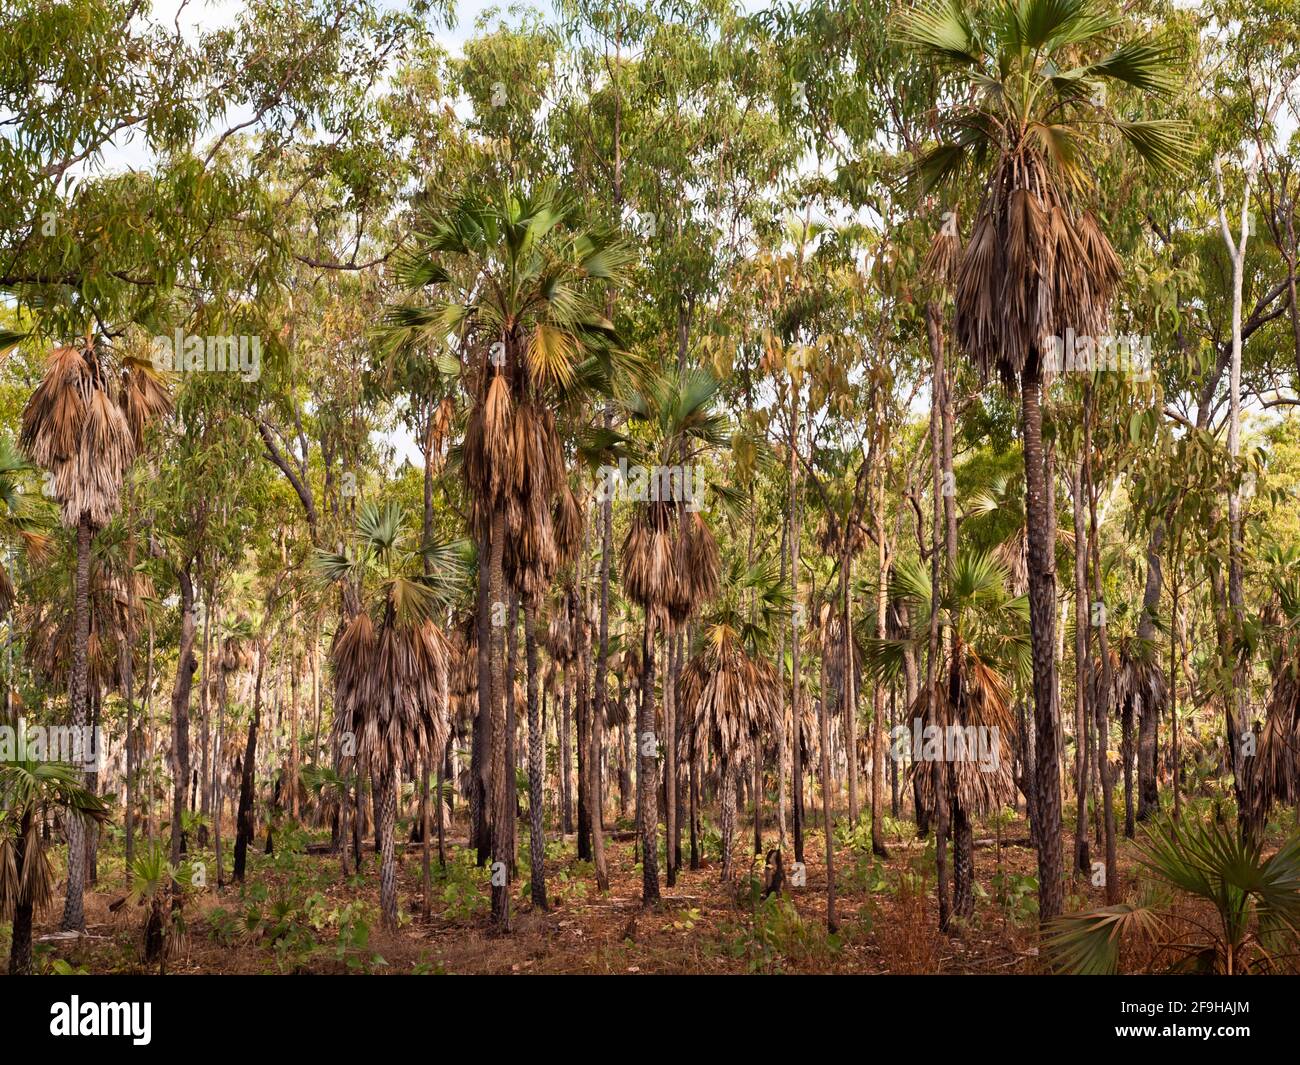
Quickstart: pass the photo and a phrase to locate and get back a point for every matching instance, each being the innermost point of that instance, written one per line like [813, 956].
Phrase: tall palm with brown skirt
[730, 690]
[1025, 110]
[390, 669]
[84, 424]
[670, 558]
[519, 281]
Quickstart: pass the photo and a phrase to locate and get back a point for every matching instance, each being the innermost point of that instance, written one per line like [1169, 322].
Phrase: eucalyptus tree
[1037, 261]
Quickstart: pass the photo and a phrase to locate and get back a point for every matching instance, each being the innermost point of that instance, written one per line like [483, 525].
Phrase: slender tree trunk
[186, 665]
[1082, 860]
[244, 827]
[387, 857]
[795, 618]
[1102, 677]
[481, 810]
[850, 715]
[831, 924]
[1042, 627]
[20, 940]
[502, 814]
[936, 717]
[74, 912]
[566, 754]
[1148, 794]
[647, 784]
[536, 767]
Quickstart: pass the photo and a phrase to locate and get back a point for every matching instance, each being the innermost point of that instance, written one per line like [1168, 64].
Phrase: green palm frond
[1088, 944]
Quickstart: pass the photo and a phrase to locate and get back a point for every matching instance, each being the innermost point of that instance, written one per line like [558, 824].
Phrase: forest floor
[298, 913]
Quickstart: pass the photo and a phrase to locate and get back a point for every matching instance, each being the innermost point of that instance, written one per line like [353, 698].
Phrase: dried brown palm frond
[462, 675]
[237, 655]
[1275, 769]
[52, 625]
[695, 569]
[1032, 269]
[944, 254]
[145, 398]
[730, 698]
[568, 525]
[562, 635]
[1137, 679]
[649, 557]
[390, 690]
[984, 776]
[83, 427]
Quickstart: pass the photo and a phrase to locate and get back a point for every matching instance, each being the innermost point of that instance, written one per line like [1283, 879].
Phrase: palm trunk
[728, 817]
[1148, 795]
[502, 858]
[670, 759]
[934, 715]
[1042, 628]
[387, 858]
[74, 912]
[536, 767]
[20, 944]
[647, 783]
[566, 754]
[1082, 860]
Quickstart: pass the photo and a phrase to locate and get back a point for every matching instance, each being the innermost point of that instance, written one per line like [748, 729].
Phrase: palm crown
[1030, 109]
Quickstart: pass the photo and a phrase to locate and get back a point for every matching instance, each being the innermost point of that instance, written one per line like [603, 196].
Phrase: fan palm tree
[84, 423]
[670, 558]
[1025, 115]
[28, 788]
[992, 651]
[520, 287]
[730, 688]
[390, 667]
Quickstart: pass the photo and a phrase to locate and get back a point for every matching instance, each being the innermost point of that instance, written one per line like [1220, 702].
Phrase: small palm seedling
[1244, 917]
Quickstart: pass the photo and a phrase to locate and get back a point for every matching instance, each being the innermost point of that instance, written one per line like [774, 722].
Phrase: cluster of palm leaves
[84, 423]
[670, 557]
[1035, 263]
[1275, 770]
[518, 283]
[990, 642]
[1240, 914]
[32, 789]
[730, 690]
[391, 662]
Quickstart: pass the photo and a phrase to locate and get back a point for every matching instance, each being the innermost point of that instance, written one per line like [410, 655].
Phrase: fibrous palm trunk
[502, 814]
[387, 857]
[728, 816]
[536, 767]
[1042, 629]
[20, 942]
[74, 912]
[647, 784]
